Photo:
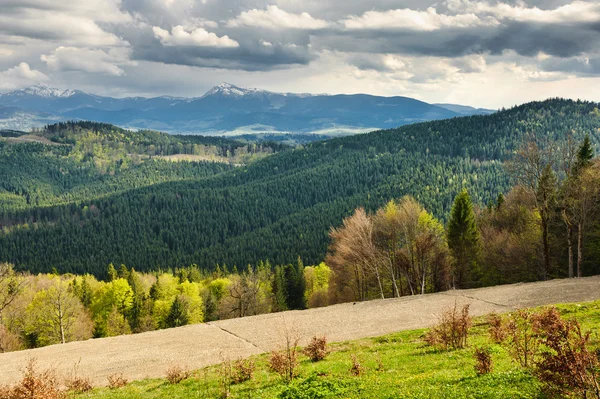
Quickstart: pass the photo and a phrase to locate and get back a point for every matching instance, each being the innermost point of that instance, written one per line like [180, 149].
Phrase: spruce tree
[463, 240]
[278, 288]
[111, 272]
[178, 314]
[584, 154]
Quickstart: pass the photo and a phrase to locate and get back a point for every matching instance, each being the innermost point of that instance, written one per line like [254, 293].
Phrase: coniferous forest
[227, 230]
[95, 194]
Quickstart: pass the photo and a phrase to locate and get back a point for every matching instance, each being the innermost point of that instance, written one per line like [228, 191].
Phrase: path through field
[150, 354]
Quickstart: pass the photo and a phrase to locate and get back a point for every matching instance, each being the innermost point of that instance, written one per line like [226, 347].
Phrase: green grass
[411, 370]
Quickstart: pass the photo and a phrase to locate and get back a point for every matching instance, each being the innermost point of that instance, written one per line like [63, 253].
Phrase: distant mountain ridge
[227, 109]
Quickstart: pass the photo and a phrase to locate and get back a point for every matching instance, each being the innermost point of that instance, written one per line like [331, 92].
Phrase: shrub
[483, 358]
[243, 370]
[452, 330]
[566, 364]
[34, 385]
[497, 329]
[521, 341]
[116, 381]
[79, 384]
[317, 349]
[177, 374]
[285, 362]
[356, 369]
[76, 383]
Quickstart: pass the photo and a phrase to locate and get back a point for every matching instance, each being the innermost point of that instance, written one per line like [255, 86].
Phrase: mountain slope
[284, 205]
[230, 109]
[466, 110]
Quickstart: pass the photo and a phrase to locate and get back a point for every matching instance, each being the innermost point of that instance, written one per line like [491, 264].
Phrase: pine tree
[295, 285]
[123, 272]
[500, 201]
[463, 240]
[178, 314]
[584, 155]
[111, 272]
[278, 289]
[86, 292]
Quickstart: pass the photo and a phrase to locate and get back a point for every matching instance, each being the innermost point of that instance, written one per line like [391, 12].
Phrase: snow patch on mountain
[42, 90]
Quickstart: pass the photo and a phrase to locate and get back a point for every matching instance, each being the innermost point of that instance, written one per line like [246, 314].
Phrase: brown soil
[151, 354]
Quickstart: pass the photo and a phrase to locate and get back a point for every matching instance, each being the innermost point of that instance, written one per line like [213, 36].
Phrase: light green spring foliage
[56, 315]
[131, 302]
[317, 284]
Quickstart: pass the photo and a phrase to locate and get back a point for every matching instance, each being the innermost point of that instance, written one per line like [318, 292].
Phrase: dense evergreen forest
[77, 161]
[277, 208]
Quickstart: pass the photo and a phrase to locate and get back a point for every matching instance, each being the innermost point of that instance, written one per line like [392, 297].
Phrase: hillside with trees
[282, 207]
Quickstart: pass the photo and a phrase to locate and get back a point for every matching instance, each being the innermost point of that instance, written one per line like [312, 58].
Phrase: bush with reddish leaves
[356, 369]
[177, 374]
[453, 329]
[497, 328]
[566, 364]
[521, 340]
[34, 385]
[483, 358]
[116, 381]
[317, 349]
[243, 370]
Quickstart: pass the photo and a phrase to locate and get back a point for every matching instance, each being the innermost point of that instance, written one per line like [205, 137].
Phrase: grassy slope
[411, 370]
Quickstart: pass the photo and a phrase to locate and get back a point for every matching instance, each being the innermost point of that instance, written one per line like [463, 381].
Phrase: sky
[481, 53]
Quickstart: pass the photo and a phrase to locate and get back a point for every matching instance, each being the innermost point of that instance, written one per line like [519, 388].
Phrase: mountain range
[225, 109]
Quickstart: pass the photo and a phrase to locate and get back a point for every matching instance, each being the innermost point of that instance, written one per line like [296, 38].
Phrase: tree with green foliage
[55, 315]
[111, 272]
[278, 288]
[178, 315]
[463, 241]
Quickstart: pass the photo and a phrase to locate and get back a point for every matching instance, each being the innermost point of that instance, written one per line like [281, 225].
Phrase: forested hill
[282, 207]
[78, 161]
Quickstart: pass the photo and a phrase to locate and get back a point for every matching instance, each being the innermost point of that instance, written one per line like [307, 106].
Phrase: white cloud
[429, 20]
[197, 37]
[86, 60]
[55, 26]
[20, 76]
[577, 11]
[274, 17]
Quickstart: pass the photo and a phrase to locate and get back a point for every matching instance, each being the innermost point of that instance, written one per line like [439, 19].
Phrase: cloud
[20, 76]
[428, 20]
[54, 26]
[86, 60]
[197, 37]
[275, 18]
[577, 11]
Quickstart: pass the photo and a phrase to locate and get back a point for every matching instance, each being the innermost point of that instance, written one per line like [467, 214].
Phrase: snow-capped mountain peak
[42, 90]
[229, 90]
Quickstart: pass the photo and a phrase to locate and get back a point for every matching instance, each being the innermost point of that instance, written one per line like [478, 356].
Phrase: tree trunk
[379, 283]
[570, 245]
[546, 247]
[569, 241]
[579, 248]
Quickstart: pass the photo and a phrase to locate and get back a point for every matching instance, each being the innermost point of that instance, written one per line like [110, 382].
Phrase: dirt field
[150, 354]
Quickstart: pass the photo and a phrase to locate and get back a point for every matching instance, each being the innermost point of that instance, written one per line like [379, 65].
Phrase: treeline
[547, 226]
[281, 207]
[48, 309]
